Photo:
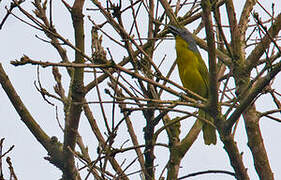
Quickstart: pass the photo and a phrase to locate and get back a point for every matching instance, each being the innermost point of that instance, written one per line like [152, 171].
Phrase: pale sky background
[27, 157]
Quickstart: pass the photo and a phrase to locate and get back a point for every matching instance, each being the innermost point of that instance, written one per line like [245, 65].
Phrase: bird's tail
[209, 132]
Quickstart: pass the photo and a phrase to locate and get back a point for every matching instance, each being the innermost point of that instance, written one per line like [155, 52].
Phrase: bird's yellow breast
[189, 64]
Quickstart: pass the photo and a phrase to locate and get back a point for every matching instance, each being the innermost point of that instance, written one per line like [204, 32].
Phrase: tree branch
[77, 95]
[255, 142]
[213, 81]
[53, 147]
[259, 50]
[252, 94]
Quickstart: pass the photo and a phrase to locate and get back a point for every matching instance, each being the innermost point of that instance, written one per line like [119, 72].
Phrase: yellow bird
[193, 74]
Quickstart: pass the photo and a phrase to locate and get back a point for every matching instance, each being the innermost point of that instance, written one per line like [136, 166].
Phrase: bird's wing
[203, 71]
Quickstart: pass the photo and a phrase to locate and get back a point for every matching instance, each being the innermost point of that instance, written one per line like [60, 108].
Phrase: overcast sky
[18, 39]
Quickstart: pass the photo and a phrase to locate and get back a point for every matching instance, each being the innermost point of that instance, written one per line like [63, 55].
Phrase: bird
[194, 75]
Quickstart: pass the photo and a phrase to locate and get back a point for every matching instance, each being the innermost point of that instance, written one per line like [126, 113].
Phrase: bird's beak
[174, 30]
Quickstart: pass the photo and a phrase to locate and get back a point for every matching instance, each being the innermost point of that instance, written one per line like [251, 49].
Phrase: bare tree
[133, 83]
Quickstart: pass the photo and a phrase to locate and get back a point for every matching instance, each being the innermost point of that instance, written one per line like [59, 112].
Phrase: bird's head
[185, 35]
